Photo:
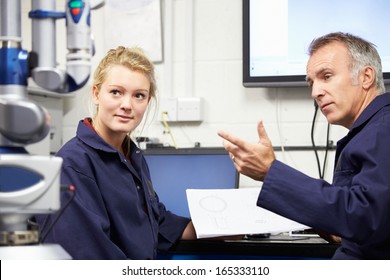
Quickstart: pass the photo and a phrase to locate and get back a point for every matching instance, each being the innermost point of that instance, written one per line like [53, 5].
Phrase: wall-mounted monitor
[277, 33]
[174, 170]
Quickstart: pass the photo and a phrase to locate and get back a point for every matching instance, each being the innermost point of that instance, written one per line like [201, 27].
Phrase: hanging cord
[327, 147]
[328, 143]
[168, 128]
[59, 214]
[312, 140]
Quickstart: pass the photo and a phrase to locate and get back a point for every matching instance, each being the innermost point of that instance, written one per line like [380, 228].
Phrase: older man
[345, 76]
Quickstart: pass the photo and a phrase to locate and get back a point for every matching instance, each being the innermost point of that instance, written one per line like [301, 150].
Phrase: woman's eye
[140, 96]
[115, 92]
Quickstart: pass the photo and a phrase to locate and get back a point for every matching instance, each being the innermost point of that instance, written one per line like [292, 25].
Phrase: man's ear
[368, 77]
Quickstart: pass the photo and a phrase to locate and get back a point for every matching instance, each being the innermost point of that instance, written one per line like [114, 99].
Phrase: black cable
[59, 213]
[312, 139]
[327, 147]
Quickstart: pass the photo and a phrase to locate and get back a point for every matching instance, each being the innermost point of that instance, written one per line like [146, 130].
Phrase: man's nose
[316, 91]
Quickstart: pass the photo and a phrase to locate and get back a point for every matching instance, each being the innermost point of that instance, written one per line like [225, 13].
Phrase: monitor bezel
[269, 81]
[191, 151]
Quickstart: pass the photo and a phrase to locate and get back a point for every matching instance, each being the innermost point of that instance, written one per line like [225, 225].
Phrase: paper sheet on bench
[224, 212]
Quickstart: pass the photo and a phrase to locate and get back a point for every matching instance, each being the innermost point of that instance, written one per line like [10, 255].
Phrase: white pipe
[10, 21]
[189, 47]
[44, 34]
[168, 47]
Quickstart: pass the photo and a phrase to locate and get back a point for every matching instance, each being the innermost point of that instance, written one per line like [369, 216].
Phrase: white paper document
[224, 212]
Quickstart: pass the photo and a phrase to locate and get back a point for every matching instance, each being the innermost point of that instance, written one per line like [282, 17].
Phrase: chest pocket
[344, 172]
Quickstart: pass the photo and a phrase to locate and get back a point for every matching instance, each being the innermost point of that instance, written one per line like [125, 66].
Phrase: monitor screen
[174, 170]
[277, 34]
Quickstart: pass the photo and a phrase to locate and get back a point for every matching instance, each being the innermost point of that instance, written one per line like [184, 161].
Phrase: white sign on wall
[134, 23]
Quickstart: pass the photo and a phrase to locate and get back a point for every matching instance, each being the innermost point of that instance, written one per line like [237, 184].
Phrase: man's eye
[327, 76]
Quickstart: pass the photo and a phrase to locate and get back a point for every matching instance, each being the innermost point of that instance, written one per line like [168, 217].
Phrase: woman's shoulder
[74, 149]
[77, 156]
[71, 144]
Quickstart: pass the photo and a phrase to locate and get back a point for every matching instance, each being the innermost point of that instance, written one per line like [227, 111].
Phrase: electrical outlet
[182, 109]
[189, 109]
[168, 107]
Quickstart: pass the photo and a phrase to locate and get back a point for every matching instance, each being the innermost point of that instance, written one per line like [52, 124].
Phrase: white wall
[217, 78]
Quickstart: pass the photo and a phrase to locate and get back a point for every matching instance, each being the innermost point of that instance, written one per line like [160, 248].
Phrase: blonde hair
[132, 58]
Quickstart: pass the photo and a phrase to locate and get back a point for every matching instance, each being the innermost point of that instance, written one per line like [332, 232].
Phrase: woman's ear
[95, 95]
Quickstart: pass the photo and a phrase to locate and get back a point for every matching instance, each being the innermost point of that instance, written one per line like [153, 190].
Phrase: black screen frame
[191, 151]
[185, 152]
[269, 81]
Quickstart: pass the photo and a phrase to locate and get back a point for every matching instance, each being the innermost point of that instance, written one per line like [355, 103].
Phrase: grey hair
[362, 52]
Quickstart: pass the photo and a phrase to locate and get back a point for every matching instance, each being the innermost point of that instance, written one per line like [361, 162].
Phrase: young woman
[115, 213]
